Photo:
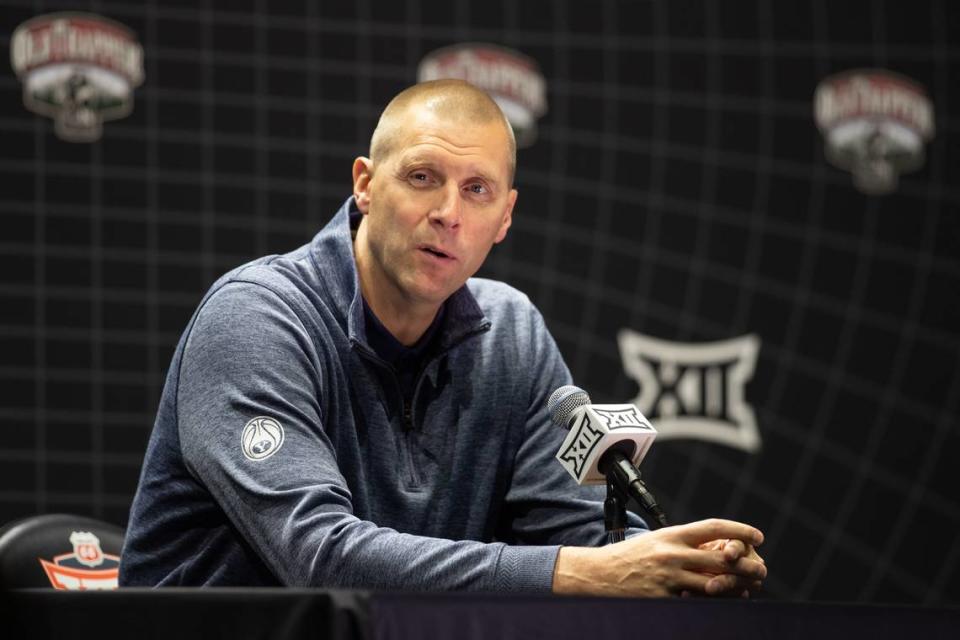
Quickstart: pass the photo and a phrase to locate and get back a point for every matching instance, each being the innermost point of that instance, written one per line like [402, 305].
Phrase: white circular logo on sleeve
[261, 438]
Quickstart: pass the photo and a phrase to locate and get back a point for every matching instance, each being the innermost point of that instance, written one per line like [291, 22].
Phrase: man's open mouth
[437, 252]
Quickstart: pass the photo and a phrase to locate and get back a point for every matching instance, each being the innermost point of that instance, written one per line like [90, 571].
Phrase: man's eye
[477, 188]
[420, 177]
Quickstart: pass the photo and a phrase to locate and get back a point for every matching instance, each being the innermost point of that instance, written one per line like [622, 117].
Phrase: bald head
[454, 100]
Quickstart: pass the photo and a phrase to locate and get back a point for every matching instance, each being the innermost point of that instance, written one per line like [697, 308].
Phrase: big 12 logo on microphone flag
[596, 428]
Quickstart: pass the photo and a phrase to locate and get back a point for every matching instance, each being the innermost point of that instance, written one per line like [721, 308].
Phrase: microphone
[605, 443]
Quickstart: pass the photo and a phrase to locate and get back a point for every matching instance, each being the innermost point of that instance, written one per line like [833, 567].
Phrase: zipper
[406, 440]
[423, 370]
[408, 410]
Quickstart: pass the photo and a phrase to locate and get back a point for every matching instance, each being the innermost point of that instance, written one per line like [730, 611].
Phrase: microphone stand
[614, 513]
[623, 483]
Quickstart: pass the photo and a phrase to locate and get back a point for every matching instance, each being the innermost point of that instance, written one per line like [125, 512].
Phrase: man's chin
[434, 294]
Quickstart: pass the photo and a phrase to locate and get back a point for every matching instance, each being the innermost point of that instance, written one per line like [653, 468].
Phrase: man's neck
[405, 321]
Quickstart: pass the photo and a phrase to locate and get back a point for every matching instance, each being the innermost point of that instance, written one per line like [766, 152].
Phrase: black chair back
[60, 551]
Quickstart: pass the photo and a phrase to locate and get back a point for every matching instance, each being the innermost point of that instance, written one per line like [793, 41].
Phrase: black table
[241, 614]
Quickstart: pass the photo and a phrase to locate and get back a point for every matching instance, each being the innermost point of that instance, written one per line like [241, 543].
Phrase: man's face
[434, 206]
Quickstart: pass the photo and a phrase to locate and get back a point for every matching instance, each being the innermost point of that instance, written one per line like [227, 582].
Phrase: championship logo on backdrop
[875, 124]
[79, 69]
[87, 567]
[694, 390]
[512, 79]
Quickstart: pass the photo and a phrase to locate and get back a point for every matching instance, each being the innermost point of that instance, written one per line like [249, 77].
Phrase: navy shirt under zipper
[407, 362]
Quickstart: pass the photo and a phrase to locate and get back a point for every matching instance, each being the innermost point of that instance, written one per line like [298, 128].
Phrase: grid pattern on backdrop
[678, 188]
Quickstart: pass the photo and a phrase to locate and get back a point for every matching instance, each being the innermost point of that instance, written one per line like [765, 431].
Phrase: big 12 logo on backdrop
[694, 390]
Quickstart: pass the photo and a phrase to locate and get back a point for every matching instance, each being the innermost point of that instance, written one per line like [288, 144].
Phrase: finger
[735, 549]
[720, 585]
[697, 533]
[714, 545]
[728, 585]
[690, 581]
[715, 562]
[732, 549]
[731, 586]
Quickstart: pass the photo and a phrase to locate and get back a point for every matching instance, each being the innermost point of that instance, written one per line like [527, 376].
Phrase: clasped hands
[711, 557]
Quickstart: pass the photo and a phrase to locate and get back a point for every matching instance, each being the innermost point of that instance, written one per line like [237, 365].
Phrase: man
[357, 413]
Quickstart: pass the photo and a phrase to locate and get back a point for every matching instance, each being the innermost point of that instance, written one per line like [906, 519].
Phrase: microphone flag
[596, 428]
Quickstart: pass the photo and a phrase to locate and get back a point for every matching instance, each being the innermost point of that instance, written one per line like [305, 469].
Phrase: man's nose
[448, 210]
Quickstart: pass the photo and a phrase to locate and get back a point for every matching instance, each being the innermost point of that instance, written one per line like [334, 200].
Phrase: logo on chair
[86, 548]
[87, 567]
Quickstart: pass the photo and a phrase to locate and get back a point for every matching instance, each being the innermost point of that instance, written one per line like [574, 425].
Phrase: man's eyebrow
[418, 158]
[487, 178]
[428, 160]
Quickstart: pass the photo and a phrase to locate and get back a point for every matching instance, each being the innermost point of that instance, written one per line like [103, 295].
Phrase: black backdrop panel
[678, 189]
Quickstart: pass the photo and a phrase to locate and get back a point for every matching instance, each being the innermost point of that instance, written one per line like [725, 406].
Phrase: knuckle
[715, 527]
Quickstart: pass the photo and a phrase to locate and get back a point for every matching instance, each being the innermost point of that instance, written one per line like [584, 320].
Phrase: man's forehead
[430, 139]
[428, 145]
[417, 124]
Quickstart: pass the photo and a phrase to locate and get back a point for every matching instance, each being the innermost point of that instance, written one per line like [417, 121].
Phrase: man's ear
[362, 175]
[507, 216]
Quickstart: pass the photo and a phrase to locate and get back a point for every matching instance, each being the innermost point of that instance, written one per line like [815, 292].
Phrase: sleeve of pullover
[249, 356]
